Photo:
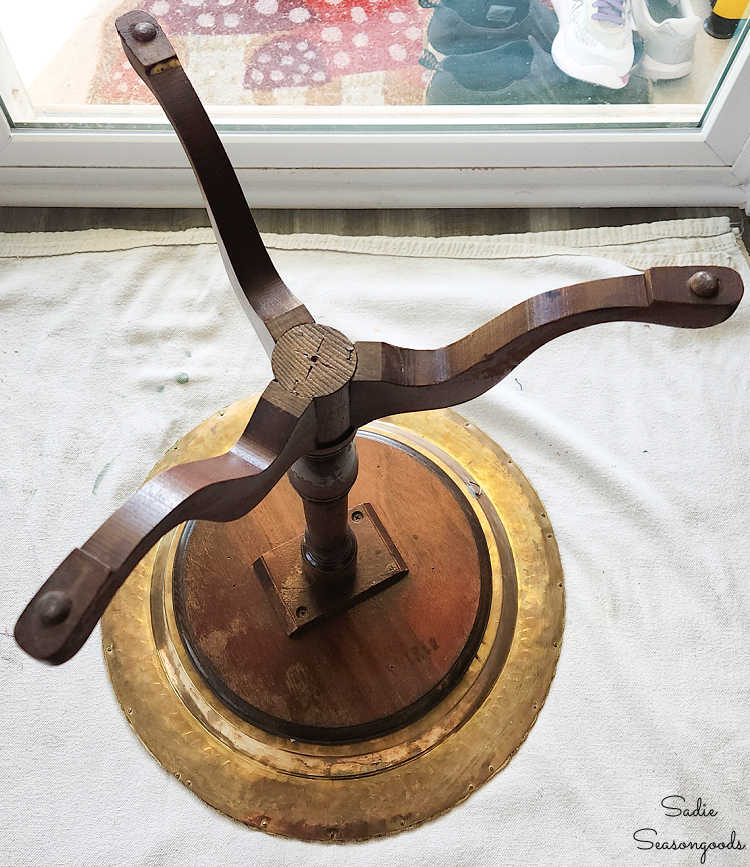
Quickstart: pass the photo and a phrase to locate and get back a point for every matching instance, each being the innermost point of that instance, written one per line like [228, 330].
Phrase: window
[386, 102]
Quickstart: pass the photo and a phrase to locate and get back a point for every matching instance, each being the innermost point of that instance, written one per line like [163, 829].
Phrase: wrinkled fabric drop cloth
[113, 344]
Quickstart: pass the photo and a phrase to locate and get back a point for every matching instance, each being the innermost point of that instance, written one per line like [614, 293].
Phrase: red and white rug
[279, 52]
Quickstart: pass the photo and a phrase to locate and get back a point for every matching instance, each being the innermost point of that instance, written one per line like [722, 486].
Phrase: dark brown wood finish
[272, 308]
[325, 387]
[317, 363]
[390, 379]
[64, 611]
[323, 481]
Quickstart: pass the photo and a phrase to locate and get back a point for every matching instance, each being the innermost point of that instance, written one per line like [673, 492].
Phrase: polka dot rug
[279, 52]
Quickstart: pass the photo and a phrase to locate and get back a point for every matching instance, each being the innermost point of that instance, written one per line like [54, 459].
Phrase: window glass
[528, 62]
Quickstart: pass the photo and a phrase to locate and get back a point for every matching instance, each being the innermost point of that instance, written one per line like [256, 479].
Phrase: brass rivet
[703, 284]
[144, 31]
[53, 607]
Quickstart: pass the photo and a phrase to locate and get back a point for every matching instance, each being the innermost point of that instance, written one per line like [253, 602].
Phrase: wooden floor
[420, 222]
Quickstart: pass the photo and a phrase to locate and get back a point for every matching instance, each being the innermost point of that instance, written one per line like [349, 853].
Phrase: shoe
[483, 13]
[668, 30]
[517, 73]
[595, 41]
[449, 33]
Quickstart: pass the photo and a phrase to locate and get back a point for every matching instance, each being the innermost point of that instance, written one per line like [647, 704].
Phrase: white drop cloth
[635, 436]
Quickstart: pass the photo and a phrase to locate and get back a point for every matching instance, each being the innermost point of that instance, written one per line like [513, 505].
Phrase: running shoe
[449, 33]
[517, 73]
[480, 13]
[595, 41]
[668, 30]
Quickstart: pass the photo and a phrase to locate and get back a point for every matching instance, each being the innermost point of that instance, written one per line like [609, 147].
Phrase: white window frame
[707, 165]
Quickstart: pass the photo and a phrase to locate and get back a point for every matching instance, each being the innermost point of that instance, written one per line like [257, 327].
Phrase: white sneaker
[668, 30]
[595, 41]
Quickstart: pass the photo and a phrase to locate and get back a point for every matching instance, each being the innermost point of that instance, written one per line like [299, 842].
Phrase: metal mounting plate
[300, 605]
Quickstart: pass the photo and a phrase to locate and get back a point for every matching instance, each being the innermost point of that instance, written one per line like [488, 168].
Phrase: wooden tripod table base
[374, 719]
[359, 670]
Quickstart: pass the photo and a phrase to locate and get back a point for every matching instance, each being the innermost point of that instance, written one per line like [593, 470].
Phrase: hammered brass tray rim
[423, 786]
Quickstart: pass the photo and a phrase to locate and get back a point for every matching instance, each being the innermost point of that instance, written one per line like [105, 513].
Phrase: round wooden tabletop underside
[446, 493]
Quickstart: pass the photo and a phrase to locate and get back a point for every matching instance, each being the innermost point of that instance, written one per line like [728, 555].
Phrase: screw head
[53, 607]
[703, 284]
[144, 31]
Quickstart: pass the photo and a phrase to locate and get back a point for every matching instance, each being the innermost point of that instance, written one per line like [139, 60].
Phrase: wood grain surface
[367, 670]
